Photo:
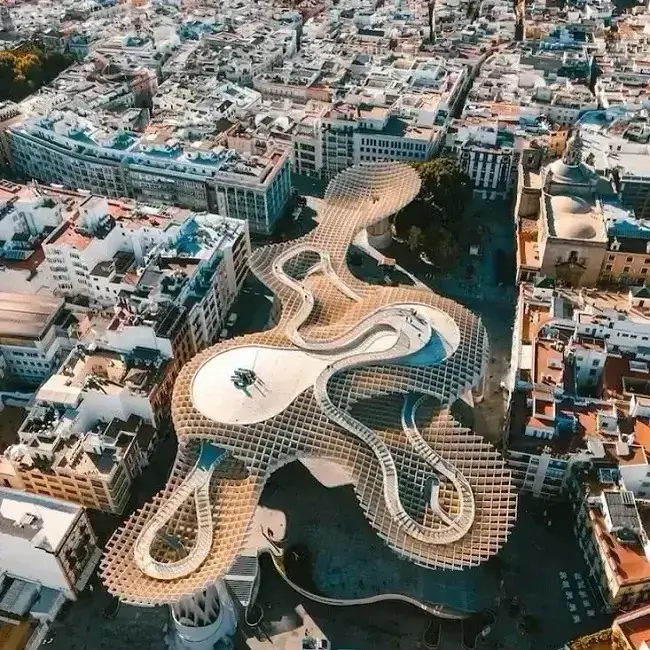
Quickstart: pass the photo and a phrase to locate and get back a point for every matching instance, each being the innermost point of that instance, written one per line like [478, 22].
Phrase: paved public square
[527, 582]
[489, 292]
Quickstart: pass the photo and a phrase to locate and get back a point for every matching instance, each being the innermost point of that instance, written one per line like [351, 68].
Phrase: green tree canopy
[26, 68]
[444, 184]
[434, 220]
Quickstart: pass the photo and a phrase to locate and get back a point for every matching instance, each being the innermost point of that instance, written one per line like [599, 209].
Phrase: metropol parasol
[358, 374]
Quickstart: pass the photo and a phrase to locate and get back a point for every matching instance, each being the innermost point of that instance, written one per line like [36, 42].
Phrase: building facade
[49, 552]
[255, 188]
[32, 335]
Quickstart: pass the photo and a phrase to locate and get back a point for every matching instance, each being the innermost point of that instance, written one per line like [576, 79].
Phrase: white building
[580, 389]
[25, 214]
[67, 149]
[83, 256]
[49, 551]
[31, 341]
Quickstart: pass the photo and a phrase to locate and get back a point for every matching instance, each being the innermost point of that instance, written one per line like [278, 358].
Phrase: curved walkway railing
[370, 437]
[197, 482]
[325, 265]
[413, 333]
[463, 522]
[442, 611]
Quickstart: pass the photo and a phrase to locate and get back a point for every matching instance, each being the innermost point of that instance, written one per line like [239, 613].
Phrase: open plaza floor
[537, 580]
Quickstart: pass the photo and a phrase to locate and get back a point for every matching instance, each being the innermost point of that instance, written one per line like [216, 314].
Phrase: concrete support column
[379, 234]
[202, 620]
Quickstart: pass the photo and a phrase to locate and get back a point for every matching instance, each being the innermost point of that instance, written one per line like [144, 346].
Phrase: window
[592, 372]
[629, 259]
[611, 258]
[626, 269]
[595, 363]
[644, 271]
[608, 267]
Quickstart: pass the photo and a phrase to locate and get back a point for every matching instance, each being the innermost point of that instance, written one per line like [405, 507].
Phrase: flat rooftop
[42, 520]
[105, 372]
[26, 315]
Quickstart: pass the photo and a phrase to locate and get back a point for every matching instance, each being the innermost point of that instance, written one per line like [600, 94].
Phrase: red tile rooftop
[533, 319]
[31, 264]
[66, 235]
[636, 454]
[544, 355]
[9, 190]
[627, 562]
[635, 627]
[616, 369]
[587, 427]
[528, 250]
[545, 408]
[642, 432]
[588, 343]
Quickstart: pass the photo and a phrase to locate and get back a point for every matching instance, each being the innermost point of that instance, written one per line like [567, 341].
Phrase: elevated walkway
[197, 483]
[413, 334]
[463, 522]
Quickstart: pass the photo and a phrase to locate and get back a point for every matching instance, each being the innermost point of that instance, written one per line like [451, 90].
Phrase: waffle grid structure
[438, 494]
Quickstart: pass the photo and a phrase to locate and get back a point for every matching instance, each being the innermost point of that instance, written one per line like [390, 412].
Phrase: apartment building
[610, 527]
[97, 418]
[515, 104]
[161, 266]
[185, 292]
[66, 149]
[94, 426]
[26, 217]
[616, 146]
[95, 252]
[627, 260]
[577, 370]
[579, 424]
[486, 151]
[33, 335]
[9, 114]
[631, 630]
[346, 135]
[49, 552]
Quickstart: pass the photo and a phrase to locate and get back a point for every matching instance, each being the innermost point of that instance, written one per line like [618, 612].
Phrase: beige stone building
[627, 261]
[561, 230]
[93, 428]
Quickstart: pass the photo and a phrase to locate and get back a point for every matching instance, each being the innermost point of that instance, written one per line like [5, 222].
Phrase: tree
[27, 68]
[434, 220]
[445, 184]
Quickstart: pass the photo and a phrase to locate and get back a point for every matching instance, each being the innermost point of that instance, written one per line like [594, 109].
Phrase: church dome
[570, 205]
[569, 174]
[574, 229]
[573, 217]
[569, 170]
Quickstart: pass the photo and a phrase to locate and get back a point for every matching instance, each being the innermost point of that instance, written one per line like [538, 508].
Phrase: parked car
[232, 319]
